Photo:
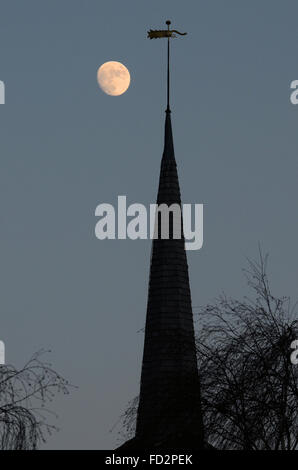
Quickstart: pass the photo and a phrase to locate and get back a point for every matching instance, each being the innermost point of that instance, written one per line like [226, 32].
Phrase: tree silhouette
[249, 387]
[24, 394]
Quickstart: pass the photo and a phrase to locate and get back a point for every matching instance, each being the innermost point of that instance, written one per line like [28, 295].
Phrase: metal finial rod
[159, 33]
[168, 73]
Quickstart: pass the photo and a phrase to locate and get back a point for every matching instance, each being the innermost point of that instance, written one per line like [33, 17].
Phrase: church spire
[169, 412]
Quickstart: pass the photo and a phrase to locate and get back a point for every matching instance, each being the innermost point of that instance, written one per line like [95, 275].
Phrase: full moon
[113, 78]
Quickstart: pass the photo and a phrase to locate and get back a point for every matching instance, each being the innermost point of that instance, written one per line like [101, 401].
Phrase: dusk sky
[66, 147]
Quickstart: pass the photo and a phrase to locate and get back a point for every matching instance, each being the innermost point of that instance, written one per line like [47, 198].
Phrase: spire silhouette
[169, 412]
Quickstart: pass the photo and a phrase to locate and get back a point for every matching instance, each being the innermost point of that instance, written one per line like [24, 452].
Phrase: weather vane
[165, 33]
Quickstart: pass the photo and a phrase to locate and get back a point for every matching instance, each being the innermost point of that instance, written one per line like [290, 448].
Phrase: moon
[113, 78]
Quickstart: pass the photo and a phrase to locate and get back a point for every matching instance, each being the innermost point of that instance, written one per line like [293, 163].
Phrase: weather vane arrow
[165, 33]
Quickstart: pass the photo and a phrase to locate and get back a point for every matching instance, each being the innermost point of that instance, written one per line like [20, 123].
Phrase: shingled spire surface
[169, 414]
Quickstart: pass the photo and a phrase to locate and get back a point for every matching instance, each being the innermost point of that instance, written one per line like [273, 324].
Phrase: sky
[66, 147]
